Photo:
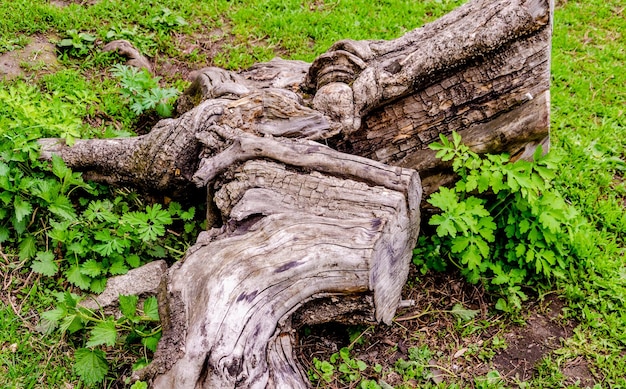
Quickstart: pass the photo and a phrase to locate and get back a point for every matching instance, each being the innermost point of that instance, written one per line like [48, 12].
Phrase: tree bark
[483, 71]
[302, 233]
[291, 238]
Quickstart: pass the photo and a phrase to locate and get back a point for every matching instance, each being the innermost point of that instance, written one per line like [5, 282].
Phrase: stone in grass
[143, 281]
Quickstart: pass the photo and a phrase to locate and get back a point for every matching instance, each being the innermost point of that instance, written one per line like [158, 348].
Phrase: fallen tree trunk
[300, 228]
[483, 70]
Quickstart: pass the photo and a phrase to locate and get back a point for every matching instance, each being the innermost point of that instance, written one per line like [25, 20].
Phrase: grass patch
[82, 98]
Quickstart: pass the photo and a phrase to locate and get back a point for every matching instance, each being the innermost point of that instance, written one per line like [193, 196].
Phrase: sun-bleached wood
[312, 185]
[291, 238]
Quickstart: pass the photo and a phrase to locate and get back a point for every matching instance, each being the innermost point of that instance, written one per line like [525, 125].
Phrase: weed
[342, 367]
[168, 20]
[11, 44]
[52, 219]
[492, 380]
[135, 325]
[77, 44]
[143, 91]
[503, 223]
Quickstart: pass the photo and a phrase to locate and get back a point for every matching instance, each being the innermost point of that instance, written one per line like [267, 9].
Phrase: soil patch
[527, 345]
[427, 323]
[578, 373]
[39, 56]
[461, 350]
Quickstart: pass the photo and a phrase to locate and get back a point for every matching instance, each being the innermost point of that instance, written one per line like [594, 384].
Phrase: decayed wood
[290, 238]
[464, 72]
[126, 49]
[166, 159]
[384, 100]
[301, 233]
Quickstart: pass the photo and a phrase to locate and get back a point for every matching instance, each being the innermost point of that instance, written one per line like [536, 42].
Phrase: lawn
[61, 236]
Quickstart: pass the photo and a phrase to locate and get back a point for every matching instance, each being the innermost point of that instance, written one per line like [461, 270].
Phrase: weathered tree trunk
[291, 237]
[300, 229]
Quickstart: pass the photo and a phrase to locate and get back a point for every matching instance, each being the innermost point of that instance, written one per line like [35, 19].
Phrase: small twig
[359, 337]
[26, 282]
[450, 372]
[17, 313]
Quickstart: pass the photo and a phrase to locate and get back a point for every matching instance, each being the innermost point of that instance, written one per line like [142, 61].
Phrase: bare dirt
[462, 350]
[528, 344]
[39, 56]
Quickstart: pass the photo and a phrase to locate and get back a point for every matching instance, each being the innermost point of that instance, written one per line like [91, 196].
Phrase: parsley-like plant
[503, 223]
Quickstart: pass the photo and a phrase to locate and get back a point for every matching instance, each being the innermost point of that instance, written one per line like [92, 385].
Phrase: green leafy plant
[109, 239]
[492, 380]
[51, 217]
[417, 366]
[73, 232]
[143, 91]
[77, 44]
[168, 20]
[13, 43]
[136, 326]
[139, 385]
[322, 370]
[503, 223]
[33, 191]
[490, 348]
[342, 367]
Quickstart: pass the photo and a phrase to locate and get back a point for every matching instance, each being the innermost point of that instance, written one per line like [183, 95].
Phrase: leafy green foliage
[90, 365]
[137, 327]
[109, 239]
[32, 191]
[417, 366]
[492, 380]
[76, 232]
[45, 205]
[77, 44]
[503, 223]
[462, 313]
[139, 385]
[13, 43]
[168, 19]
[340, 366]
[143, 91]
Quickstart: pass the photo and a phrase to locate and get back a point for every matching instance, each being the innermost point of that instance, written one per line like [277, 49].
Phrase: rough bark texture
[291, 237]
[482, 70]
[302, 233]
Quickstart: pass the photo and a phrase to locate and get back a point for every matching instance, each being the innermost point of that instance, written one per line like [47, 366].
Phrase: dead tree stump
[291, 237]
[297, 226]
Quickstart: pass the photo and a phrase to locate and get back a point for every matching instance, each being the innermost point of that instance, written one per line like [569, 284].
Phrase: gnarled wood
[291, 238]
[466, 72]
[384, 100]
[301, 233]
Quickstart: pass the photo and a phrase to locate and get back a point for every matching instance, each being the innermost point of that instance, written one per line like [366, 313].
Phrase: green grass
[588, 130]
[27, 360]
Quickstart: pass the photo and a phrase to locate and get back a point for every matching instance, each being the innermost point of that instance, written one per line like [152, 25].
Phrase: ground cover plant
[559, 274]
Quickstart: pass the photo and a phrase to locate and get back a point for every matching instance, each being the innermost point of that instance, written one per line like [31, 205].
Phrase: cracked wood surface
[302, 233]
[290, 238]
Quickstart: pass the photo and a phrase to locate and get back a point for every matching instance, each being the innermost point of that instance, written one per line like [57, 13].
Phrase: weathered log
[482, 70]
[291, 238]
[306, 233]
